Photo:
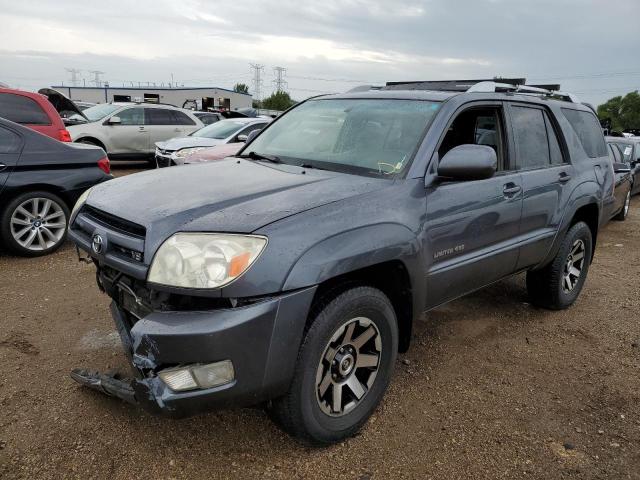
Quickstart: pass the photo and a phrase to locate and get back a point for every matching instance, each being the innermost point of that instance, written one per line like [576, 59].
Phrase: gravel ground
[491, 388]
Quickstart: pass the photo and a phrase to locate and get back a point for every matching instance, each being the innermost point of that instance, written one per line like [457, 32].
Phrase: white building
[203, 97]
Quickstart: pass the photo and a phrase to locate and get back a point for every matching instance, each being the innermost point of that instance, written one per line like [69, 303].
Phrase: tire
[553, 286]
[622, 215]
[46, 231]
[309, 410]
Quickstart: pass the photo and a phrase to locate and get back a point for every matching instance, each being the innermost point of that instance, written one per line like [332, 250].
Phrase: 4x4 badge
[96, 243]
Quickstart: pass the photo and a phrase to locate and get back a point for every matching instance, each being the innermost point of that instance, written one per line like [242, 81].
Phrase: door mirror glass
[468, 162]
[242, 138]
[115, 120]
[253, 134]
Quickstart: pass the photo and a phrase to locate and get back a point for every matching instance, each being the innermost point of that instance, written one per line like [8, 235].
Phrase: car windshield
[98, 112]
[219, 130]
[363, 136]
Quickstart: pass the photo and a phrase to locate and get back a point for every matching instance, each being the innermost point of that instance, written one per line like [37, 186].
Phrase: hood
[64, 106]
[214, 153]
[187, 142]
[232, 195]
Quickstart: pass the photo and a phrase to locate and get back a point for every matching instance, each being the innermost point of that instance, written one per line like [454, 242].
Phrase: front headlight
[204, 260]
[81, 201]
[187, 151]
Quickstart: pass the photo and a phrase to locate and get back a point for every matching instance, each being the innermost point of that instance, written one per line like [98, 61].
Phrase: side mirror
[621, 168]
[242, 138]
[115, 120]
[253, 134]
[468, 162]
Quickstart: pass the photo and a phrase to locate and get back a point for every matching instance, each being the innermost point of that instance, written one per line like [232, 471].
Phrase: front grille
[115, 223]
[163, 162]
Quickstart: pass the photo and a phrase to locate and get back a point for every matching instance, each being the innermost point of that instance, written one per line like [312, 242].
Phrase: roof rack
[504, 85]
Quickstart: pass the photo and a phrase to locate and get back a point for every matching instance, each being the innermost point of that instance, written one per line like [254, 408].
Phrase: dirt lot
[492, 388]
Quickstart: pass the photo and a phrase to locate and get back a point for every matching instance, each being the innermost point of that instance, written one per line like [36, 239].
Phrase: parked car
[629, 149]
[34, 111]
[212, 154]
[130, 130]
[175, 150]
[70, 113]
[207, 118]
[620, 200]
[292, 273]
[40, 181]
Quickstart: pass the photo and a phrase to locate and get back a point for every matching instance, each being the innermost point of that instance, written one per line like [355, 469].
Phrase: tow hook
[108, 383]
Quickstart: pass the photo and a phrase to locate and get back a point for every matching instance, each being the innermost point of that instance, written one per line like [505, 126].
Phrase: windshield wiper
[261, 156]
[309, 166]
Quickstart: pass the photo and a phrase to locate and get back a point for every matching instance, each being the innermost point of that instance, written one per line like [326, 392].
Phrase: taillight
[104, 165]
[64, 135]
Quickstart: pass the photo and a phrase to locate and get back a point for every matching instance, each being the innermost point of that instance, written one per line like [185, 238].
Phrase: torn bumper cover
[261, 340]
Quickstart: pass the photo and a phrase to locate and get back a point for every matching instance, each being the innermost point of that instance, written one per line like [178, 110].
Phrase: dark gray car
[292, 273]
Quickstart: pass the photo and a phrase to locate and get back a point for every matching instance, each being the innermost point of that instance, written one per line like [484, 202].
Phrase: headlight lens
[187, 151]
[80, 202]
[204, 260]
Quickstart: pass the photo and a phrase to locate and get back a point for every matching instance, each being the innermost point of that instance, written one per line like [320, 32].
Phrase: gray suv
[291, 274]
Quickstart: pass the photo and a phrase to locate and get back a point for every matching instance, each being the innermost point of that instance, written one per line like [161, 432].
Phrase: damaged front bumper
[261, 340]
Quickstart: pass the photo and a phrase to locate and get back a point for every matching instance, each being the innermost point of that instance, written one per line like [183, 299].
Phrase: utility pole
[279, 83]
[258, 70]
[96, 77]
[74, 75]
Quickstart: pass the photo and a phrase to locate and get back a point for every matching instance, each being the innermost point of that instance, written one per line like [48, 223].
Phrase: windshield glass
[98, 112]
[363, 136]
[219, 130]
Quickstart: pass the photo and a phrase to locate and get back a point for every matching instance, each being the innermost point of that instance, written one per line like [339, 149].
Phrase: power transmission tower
[74, 75]
[258, 70]
[279, 83]
[96, 77]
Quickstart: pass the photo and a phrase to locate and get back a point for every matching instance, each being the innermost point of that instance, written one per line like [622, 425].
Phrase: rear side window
[555, 152]
[9, 141]
[531, 137]
[158, 116]
[181, 118]
[588, 130]
[24, 110]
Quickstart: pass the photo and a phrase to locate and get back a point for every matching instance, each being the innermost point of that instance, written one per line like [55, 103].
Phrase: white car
[233, 130]
[131, 129]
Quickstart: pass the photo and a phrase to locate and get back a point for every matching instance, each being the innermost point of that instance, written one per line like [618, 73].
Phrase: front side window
[131, 116]
[9, 141]
[23, 110]
[588, 130]
[363, 136]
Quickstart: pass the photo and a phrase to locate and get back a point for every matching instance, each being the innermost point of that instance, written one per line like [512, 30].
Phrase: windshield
[219, 130]
[363, 136]
[98, 112]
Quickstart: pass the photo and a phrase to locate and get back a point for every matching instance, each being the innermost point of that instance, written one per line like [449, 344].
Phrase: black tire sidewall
[359, 302]
[580, 231]
[5, 224]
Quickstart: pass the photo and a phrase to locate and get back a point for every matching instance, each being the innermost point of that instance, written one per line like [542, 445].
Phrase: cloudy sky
[591, 47]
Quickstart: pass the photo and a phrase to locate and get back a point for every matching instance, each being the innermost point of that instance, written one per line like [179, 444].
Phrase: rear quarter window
[21, 109]
[9, 141]
[588, 130]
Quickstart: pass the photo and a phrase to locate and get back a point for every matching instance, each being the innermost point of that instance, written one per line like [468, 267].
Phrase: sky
[590, 47]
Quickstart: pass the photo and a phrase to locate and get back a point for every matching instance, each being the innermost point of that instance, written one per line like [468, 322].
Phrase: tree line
[278, 100]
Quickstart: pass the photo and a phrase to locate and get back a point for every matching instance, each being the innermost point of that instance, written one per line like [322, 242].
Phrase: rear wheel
[343, 369]
[558, 285]
[622, 216]
[34, 224]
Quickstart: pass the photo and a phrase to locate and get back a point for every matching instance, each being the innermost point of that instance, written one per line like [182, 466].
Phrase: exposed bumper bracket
[107, 383]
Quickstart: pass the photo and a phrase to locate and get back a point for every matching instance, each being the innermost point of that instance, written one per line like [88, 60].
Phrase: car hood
[232, 195]
[187, 142]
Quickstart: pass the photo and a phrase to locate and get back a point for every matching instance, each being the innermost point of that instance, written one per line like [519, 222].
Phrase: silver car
[234, 130]
[131, 129]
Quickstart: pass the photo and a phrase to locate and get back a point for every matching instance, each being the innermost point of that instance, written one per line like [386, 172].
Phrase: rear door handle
[511, 189]
[564, 177]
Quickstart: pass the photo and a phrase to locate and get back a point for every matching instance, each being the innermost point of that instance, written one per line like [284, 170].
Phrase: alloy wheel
[573, 266]
[348, 367]
[38, 224]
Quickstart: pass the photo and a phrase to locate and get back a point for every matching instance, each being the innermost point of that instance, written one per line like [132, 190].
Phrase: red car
[34, 111]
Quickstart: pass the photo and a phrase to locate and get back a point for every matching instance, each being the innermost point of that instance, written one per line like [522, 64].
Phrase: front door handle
[511, 189]
[141, 129]
[2, 166]
[564, 177]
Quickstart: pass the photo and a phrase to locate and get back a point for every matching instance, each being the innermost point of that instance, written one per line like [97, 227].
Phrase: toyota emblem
[97, 243]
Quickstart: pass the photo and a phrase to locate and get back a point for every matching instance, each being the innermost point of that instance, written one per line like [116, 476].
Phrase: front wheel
[558, 285]
[34, 224]
[343, 368]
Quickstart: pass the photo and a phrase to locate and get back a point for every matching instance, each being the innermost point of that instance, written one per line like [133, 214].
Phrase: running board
[106, 383]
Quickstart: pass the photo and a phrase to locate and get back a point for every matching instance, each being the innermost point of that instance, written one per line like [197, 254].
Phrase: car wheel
[34, 224]
[343, 368]
[558, 285]
[622, 215]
